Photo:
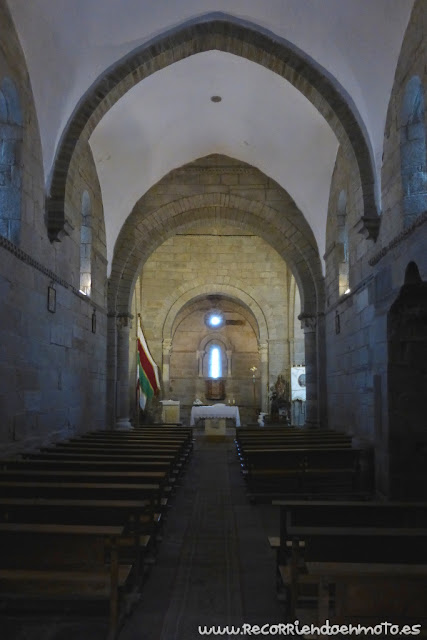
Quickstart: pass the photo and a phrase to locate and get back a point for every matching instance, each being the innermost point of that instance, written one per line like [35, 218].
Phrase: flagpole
[136, 349]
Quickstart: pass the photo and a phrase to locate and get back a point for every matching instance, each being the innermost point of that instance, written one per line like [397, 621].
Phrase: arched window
[10, 166]
[342, 244]
[215, 362]
[86, 246]
[413, 151]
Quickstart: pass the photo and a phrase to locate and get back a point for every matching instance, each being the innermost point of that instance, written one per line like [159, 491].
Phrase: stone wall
[356, 323]
[398, 245]
[188, 377]
[231, 264]
[52, 366]
[349, 346]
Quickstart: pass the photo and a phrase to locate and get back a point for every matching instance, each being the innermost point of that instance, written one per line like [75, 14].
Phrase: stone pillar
[200, 356]
[309, 325]
[229, 354]
[322, 392]
[291, 352]
[263, 355]
[167, 350]
[111, 369]
[122, 390]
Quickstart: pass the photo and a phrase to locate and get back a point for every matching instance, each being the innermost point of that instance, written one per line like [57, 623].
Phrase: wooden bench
[306, 471]
[83, 490]
[54, 561]
[137, 517]
[89, 464]
[324, 545]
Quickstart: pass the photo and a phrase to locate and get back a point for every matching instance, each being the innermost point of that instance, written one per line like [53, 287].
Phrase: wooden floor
[215, 565]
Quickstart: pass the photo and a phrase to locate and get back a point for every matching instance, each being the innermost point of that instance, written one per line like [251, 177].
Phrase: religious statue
[279, 398]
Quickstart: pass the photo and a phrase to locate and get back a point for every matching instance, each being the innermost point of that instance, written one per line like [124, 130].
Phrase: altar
[215, 412]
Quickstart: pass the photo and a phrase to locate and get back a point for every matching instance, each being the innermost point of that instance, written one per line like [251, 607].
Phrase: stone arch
[184, 296]
[232, 304]
[413, 156]
[257, 308]
[215, 336]
[283, 227]
[143, 232]
[11, 134]
[217, 31]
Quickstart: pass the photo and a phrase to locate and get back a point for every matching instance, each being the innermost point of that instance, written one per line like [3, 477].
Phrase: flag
[147, 373]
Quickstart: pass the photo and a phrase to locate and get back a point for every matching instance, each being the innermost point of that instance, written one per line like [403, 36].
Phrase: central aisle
[215, 566]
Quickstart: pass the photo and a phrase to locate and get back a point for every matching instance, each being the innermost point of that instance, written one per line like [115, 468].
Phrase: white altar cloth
[215, 411]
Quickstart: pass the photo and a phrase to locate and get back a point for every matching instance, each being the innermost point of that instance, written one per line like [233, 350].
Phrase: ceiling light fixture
[214, 319]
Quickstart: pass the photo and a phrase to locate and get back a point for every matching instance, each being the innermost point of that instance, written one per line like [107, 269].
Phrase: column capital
[308, 322]
[167, 346]
[124, 320]
[263, 350]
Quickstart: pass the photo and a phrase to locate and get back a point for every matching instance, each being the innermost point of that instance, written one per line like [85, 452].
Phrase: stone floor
[214, 565]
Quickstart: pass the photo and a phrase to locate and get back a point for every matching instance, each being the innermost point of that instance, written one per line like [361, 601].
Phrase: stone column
[263, 355]
[111, 369]
[200, 356]
[229, 354]
[122, 389]
[167, 350]
[309, 325]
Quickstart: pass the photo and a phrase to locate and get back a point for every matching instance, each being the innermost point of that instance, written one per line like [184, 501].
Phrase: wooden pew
[83, 490]
[88, 483]
[55, 561]
[137, 517]
[309, 471]
[42, 479]
[61, 475]
[340, 547]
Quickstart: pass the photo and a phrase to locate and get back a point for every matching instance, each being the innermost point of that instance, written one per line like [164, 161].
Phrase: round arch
[216, 31]
[184, 296]
[227, 304]
[283, 227]
[144, 231]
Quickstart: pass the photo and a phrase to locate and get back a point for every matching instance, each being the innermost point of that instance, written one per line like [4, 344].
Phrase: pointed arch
[228, 34]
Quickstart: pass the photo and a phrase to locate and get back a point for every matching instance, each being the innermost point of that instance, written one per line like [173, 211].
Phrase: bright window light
[215, 363]
[347, 291]
[215, 320]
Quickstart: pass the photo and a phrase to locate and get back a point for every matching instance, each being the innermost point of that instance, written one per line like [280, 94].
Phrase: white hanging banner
[298, 383]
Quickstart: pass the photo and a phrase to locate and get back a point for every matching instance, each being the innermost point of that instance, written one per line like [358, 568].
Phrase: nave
[168, 518]
[215, 565]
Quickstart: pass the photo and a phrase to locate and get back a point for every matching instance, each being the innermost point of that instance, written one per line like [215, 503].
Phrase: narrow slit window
[11, 132]
[215, 363]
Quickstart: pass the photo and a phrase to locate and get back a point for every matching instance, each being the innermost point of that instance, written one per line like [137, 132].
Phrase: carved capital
[124, 321]
[263, 350]
[308, 322]
[58, 226]
[369, 227]
[167, 346]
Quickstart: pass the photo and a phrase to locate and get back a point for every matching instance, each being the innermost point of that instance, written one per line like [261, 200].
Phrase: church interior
[213, 318]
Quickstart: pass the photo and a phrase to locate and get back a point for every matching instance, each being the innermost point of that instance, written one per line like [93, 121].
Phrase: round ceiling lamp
[214, 319]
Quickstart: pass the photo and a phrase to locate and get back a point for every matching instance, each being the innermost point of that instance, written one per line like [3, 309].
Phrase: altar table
[215, 411]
